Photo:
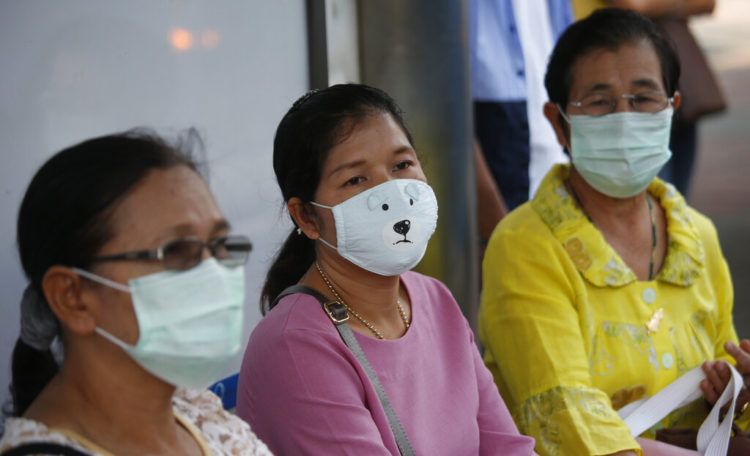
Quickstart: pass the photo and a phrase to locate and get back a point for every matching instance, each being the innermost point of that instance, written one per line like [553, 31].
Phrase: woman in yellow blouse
[606, 286]
[651, 8]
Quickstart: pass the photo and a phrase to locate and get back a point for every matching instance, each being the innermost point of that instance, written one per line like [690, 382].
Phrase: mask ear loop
[320, 238]
[567, 130]
[110, 337]
[327, 244]
[321, 205]
[562, 113]
[117, 286]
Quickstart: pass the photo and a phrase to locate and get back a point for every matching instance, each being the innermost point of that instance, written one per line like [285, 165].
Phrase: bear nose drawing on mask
[402, 228]
[395, 211]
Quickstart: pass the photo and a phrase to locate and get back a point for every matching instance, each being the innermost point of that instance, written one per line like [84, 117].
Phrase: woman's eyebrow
[598, 87]
[221, 225]
[353, 164]
[403, 150]
[646, 83]
[188, 229]
[347, 165]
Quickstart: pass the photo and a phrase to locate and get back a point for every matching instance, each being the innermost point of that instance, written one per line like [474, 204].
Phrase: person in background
[606, 286]
[363, 214]
[133, 268]
[510, 42]
[684, 139]
[490, 205]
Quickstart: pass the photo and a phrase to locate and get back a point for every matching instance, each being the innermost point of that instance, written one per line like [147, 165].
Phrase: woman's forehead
[629, 66]
[164, 202]
[373, 138]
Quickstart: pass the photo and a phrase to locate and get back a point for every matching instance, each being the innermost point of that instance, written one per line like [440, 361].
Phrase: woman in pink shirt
[363, 215]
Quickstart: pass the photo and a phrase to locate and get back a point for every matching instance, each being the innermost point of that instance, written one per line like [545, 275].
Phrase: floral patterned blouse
[570, 333]
[217, 431]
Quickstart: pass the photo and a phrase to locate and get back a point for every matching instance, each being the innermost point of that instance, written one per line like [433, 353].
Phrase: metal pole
[316, 43]
[417, 51]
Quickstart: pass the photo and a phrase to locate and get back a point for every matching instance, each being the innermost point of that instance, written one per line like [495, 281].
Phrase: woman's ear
[303, 217]
[555, 118]
[69, 301]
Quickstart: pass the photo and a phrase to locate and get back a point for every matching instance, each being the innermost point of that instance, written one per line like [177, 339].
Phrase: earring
[299, 231]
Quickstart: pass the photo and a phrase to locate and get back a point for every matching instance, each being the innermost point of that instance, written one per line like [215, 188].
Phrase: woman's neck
[634, 227]
[606, 212]
[104, 396]
[372, 296]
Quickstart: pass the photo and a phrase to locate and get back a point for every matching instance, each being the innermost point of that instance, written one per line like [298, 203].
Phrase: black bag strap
[339, 315]
[48, 448]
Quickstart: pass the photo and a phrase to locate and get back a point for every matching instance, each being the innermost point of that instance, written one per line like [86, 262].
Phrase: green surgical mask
[619, 154]
[190, 322]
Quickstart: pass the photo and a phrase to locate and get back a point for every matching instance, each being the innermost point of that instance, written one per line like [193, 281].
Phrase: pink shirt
[303, 391]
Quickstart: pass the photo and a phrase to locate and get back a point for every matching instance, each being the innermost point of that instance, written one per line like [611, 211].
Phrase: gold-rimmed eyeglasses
[599, 104]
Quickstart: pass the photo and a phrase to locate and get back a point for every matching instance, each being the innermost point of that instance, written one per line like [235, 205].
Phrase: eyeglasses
[185, 253]
[598, 104]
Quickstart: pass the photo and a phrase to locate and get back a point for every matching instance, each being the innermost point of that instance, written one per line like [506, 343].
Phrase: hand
[741, 355]
[654, 448]
[718, 373]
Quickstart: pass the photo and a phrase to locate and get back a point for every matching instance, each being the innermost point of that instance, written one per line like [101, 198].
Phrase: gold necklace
[359, 317]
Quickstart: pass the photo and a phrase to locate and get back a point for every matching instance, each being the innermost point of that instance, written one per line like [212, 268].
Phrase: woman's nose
[381, 176]
[624, 103]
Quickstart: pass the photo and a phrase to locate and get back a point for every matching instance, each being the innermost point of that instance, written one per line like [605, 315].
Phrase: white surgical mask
[190, 322]
[386, 228]
[619, 154]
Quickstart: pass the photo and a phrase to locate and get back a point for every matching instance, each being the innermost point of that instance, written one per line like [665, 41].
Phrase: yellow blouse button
[649, 295]
[667, 360]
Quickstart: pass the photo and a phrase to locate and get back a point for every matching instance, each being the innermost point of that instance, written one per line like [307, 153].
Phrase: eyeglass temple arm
[239, 243]
[139, 255]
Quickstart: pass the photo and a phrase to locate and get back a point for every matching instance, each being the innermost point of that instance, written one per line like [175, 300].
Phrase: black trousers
[502, 129]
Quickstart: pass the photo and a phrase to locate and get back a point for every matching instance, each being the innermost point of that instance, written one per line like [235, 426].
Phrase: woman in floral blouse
[134, 272]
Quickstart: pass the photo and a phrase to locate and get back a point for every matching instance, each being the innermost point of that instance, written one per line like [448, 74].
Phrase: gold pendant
[652, 325]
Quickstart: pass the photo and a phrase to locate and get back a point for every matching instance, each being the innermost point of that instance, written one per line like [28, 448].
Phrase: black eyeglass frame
[158, 254]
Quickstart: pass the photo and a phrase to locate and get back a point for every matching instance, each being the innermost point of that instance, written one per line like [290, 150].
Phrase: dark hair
[64, 220]
[314, 124]
[607, 28]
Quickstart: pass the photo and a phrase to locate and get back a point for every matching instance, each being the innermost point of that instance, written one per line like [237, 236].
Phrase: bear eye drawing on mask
[357, 354]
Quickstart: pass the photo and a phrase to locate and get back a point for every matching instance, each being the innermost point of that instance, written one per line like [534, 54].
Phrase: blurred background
[73, 69]
[721, 184]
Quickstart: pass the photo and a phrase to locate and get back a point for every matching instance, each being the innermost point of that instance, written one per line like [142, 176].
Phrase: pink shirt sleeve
[312, 399]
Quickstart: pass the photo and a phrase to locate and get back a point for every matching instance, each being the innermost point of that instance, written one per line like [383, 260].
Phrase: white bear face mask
[385, 229]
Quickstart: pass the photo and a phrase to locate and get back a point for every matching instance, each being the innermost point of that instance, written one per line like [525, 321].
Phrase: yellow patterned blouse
[563, 319]
[582, 8]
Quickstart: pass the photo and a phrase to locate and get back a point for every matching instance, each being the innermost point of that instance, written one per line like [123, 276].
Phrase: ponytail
[294, 259]
[33, 364]
[32, 370]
